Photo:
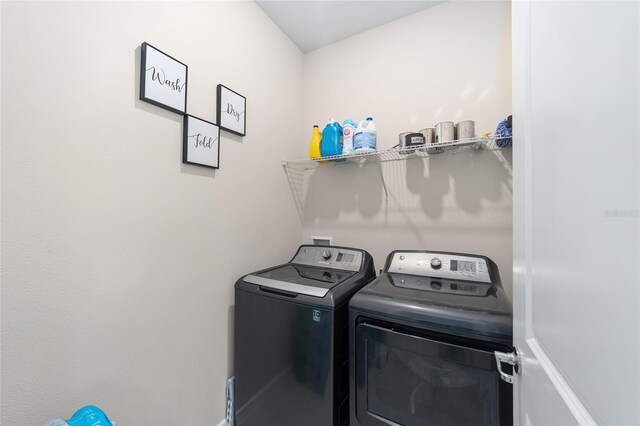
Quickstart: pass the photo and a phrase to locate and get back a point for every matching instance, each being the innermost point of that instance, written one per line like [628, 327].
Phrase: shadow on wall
[472, 175]
[355, 193]
[343, 188]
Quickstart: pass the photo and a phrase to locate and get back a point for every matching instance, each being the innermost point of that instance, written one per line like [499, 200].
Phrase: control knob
[326, 254]
[436, 263]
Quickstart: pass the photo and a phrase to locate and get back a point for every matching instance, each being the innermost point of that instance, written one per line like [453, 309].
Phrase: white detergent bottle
[365, 137]
[348, 130]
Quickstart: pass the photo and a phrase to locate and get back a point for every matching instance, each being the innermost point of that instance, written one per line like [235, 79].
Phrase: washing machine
[291, 347]
[422, 342]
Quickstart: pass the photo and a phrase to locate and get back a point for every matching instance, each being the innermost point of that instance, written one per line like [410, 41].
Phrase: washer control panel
[441, 265]
[329, 257]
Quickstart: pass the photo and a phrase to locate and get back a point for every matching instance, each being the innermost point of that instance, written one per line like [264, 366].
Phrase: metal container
[401, 143]
[428, 134]
[411, 140]
[465, 130]
[444, 132]
[401, 139]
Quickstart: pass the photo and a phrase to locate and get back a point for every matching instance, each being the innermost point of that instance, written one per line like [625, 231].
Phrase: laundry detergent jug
[364, 139]
[331, 140]
[314, 146]
[348, 130]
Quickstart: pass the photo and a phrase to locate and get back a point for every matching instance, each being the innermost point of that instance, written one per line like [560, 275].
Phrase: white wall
[118, 262]
[449, 62]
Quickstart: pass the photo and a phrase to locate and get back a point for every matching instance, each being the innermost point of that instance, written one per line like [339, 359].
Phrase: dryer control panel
[441, 265]
[329, 257]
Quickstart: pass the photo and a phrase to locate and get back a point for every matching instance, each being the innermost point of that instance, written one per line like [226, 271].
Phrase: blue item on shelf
[331, 140]
[89, 415]
[505, 128]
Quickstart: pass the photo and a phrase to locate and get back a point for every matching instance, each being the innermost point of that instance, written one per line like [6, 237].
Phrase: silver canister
[465, 130]
[444, 132]
[428, 134]
[402, 139]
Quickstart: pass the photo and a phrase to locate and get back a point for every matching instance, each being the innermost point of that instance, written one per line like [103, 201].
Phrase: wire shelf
[299, 171]
[395, 154]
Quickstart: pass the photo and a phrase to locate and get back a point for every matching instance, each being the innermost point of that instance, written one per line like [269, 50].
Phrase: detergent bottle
[348, 130]
[331, 140]
[364, 139]
[316, 139]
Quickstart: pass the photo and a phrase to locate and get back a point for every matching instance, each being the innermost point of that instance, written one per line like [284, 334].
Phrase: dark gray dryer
[291, 347]
[422, 342]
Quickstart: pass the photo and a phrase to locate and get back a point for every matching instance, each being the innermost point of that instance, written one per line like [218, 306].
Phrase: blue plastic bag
[86, 416]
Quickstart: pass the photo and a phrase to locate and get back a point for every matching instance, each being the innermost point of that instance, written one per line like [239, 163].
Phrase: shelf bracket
[384, 185]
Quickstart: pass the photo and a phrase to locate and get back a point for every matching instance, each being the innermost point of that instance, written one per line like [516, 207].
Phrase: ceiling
[312, 24]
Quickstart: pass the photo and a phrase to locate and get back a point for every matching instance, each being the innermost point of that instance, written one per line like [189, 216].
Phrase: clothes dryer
[422, 342]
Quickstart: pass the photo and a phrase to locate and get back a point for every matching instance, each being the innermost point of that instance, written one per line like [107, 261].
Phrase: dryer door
[404, 379]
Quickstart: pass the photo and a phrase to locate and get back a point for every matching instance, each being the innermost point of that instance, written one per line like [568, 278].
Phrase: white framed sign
[201, 142]
[163, 80]
[232, 111]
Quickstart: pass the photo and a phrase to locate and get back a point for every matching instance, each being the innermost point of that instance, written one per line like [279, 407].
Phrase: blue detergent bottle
[331, 140]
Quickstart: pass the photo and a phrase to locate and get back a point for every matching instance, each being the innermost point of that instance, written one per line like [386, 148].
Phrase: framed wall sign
[163, 80]
[201, 142]
[232, 111]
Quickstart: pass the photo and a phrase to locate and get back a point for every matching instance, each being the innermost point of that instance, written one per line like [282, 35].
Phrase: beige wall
[118, 262]
[449, 62]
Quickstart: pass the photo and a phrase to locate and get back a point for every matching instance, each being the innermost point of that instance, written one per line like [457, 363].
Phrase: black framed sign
[232, 111]
[201, 142]
[163, 80]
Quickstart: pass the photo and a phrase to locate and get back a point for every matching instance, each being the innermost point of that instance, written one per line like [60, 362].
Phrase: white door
[576, 76]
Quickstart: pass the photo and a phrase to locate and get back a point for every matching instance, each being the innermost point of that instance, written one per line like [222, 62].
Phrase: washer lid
[454, 306]
[300, 279]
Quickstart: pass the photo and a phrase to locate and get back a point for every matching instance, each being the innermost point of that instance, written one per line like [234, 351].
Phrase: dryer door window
[409, 380]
